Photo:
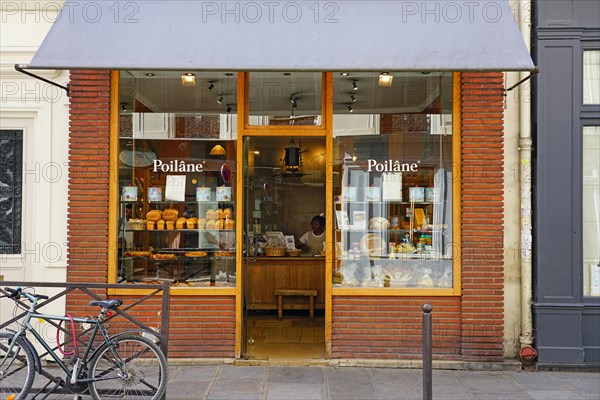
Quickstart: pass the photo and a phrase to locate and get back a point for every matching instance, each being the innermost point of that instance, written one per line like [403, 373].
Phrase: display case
[393, 228]
[185, 243]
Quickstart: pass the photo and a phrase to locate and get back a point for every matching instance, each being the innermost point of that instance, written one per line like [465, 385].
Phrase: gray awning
[285, 35]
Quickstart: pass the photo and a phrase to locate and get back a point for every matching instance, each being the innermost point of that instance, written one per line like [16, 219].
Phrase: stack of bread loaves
[220, 219]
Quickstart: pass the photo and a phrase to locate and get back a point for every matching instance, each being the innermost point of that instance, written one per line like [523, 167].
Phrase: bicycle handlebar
[18, 292]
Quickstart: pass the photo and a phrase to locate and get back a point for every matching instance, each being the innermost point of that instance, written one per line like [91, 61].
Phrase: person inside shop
[313, 241]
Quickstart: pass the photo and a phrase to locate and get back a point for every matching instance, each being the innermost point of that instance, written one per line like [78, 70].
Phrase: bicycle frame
[27, 327]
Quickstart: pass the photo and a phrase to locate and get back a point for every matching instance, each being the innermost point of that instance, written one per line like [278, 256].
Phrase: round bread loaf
[379, 224]
[210, 214]
[170, 214]
[153, 215]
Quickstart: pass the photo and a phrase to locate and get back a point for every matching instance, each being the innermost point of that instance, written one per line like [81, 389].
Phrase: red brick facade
[469, 327]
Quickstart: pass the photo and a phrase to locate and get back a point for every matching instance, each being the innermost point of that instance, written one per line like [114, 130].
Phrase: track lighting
[354, 85]
[353, 98]
[385, 79]
[350, 109]
[229, 108]
[220, 99]
[188, 79]
[211, 86]
[293, 101]
[344, 73]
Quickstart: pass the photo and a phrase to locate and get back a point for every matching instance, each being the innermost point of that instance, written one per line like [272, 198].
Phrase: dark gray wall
[567, 325]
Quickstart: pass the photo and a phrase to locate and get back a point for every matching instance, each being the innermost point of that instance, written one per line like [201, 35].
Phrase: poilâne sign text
[391, 166]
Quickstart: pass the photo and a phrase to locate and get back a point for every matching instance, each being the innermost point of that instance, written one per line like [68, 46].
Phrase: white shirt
[313, 242]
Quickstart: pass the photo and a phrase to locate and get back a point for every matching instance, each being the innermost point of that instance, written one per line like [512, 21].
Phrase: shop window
[591, 210]
[11, 164]
[591, 77]
[393, 181]
[285, 98]
[177, 163]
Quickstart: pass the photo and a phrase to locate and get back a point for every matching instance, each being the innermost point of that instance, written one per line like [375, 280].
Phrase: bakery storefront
[302, 200]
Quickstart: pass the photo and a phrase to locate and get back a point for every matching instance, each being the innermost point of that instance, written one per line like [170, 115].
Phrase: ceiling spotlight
[149, 74]
[344, 73]
[385, 79]
[353, 98]
[354, 85]
[220, 99]
[228, 108]
[211, 86]
[188, 79]
[124, 107]
[293, 101]
[350, 109]
[228, 73]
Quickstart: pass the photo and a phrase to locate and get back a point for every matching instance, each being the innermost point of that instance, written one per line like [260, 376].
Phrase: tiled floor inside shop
[296, 336]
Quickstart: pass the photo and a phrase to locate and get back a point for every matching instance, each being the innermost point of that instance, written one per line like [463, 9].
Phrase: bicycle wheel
[135, 368]
[17, 368]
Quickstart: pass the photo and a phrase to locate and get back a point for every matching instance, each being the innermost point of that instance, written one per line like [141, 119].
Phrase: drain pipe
[527, 353]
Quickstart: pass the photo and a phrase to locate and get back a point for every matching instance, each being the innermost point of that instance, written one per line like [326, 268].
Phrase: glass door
[284, 190]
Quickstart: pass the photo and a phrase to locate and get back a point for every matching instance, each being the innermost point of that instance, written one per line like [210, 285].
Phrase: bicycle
[126, 365]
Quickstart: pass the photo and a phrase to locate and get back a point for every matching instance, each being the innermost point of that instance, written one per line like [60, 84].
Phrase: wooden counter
[267, 274]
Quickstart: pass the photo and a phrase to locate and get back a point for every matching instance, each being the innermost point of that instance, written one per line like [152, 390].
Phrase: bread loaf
[153, 215]
[229, 224]
[170, 214]
[227, 212]
[220, 224]
[210, 224]
[210, 214]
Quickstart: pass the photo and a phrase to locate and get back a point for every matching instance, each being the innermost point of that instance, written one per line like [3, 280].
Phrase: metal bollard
[427, 365]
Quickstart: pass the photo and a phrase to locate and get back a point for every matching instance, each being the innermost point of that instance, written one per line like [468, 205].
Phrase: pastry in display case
[390, 229]
[189, 244]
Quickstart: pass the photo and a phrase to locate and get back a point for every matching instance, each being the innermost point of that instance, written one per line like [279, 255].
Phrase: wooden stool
[311, 293]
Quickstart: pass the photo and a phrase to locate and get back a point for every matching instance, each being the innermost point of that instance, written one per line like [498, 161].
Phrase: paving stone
[232, 371]
[553, 395]
[535, 381]
[501, 396]
[188, 390]
[391, 383]
[489, 382]
[236, 388]
[313, 375]
[183, 374]
[452, 392]
[350, 384]
[294, 391]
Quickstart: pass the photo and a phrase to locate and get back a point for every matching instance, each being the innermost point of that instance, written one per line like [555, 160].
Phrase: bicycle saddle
[106, 303]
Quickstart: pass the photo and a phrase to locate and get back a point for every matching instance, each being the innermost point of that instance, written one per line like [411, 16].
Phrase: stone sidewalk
[275, 382]
[228, 382]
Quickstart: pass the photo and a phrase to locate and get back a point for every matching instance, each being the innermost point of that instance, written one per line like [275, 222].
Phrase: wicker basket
[294, 253]
[274, 251]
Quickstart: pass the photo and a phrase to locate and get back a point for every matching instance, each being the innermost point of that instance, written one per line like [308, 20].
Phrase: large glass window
[591, 210]
[285, 98]
[11, 165]
[177, 163]
[393, 180]
[591, 77]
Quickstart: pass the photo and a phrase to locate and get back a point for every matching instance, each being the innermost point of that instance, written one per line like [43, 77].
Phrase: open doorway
[284, 263]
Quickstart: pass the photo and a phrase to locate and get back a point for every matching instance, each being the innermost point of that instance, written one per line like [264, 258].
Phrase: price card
[175, 189]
